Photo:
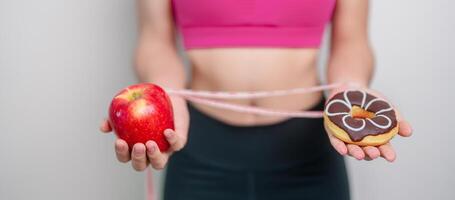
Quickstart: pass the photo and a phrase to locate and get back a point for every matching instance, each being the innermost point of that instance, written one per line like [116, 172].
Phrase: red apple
[140, 113]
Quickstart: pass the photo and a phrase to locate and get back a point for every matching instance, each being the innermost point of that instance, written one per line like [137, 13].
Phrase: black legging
[288, 160]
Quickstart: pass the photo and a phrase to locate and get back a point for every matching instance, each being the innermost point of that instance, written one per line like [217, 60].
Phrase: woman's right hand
[143, 155]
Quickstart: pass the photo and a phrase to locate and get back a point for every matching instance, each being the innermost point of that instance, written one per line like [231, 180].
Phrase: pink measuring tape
[212, 98]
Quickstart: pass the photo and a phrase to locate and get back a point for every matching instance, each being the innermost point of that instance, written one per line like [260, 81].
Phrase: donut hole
[360, 113]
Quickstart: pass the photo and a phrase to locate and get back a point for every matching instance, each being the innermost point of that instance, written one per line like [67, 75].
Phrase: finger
[371, 152]
[387, 152]
[157, 159]
[339, 145]
[174, 139]
[138, 157]
[105, 127]
[121, 151]
[405, 129]
[356, 152]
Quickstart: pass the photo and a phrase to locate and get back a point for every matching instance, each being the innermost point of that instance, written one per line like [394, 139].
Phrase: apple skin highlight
[140, 113]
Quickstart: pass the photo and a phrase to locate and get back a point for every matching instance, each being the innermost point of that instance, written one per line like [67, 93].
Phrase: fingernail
[138, 151]
[341, 152]
[118, 146]
[152, 149]
[359, 157]
[168, 133]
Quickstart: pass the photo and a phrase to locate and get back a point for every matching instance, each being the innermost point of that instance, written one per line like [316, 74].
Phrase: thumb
[105, 127]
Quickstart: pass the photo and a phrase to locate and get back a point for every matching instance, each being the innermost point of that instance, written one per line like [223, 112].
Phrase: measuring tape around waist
[212, 98]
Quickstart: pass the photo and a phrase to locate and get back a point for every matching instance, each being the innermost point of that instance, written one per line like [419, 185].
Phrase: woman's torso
[248, 45]
[257, 46]
[255, 69]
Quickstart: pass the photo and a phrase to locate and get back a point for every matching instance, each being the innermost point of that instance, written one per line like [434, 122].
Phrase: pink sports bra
[254, 23]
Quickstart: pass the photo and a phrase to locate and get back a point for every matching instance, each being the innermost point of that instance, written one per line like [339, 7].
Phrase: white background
[62, 61]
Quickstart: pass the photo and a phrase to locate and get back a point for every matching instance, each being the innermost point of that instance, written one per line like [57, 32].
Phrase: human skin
[249, 69]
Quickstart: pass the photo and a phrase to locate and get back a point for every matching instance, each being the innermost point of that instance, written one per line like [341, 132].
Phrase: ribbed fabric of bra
[252, 23]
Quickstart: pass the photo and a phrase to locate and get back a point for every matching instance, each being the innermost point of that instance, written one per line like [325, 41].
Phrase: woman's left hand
[371, 152]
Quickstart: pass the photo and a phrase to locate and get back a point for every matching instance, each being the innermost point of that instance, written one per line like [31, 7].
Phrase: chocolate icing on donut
[338, 110]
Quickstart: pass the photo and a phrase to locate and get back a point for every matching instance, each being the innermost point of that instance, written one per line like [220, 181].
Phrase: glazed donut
[357, 117]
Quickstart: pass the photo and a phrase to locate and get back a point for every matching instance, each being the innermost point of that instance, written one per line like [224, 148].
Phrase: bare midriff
[255, 69]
